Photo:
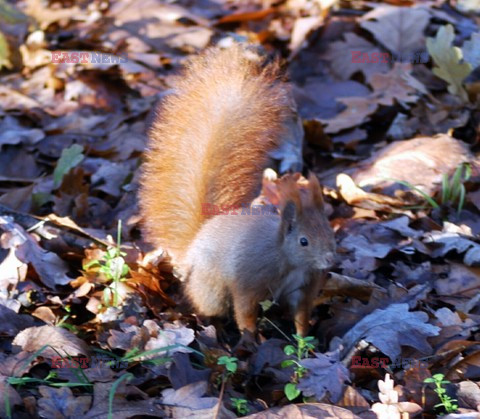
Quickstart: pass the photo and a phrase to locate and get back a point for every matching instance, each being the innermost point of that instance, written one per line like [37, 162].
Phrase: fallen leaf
[60, 403]
[389, 329]
[302, 27]
[394, 86]
[421, 161]
[356, 113]
[319, 99]
[49, 267]
[468, 395]
[182, 373]
[447, 59]
[399, 29]
[326, 374]
[305, 411]
[348, 286]
[449, 240]
[121, 407]
[4, 53]
[12, 132]
[58, 338]
[176, 336]
[459, 280]
[471, 50]
[109, 178]
[340, 55]
[12, 270]
[70, 158]
[11, 323]
[188, 401]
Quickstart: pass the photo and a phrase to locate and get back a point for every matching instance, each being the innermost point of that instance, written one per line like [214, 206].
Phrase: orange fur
[210, 143]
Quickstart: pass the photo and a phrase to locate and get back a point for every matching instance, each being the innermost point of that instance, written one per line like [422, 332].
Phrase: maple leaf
[399, 29]
[388, 329]
[447, 59]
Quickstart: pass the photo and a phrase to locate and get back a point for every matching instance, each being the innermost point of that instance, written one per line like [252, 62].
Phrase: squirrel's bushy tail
[209, 143]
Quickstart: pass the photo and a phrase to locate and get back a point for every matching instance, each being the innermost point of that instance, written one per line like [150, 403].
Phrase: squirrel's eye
[304, 241]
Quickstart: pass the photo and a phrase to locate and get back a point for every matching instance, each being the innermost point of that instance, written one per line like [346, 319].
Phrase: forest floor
[388, 95]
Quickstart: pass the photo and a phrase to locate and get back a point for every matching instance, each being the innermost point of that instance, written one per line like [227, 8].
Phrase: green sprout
[445, 400]
[299, 351]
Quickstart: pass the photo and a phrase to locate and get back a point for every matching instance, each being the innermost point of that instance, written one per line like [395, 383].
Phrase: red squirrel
[209, 145]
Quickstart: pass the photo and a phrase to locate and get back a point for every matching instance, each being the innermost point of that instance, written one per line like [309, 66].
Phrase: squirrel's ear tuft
[289, 214]
[315, 190]
[288, 190]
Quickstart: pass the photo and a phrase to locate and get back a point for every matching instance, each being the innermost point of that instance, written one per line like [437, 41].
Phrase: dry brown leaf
[341, 58]
[305, 411]
[394, 86]
[56, 338]
[420, 161]
[357, 112]
[400, 29]
[60, 403]
[356, 196]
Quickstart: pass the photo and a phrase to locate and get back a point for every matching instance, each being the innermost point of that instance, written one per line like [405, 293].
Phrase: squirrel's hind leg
[246, 312]
[209, 296]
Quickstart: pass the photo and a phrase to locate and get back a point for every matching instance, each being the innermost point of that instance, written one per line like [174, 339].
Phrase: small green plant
[240, 405]
[230, 363]
[231, 366]
[115, 269]
[299, 351]
[453, 188]
[445, 400]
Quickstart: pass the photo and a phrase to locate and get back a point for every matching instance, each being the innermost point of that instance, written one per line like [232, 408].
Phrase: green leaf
[425, 196]
[447, 59]
[287, 363]
[291, 391]
[70, 158]
[4, 53]
[289, 350]
[266, 305]
[232, 367]
[461, 199]
[445, 188]
[229, 362]
[111, 394]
